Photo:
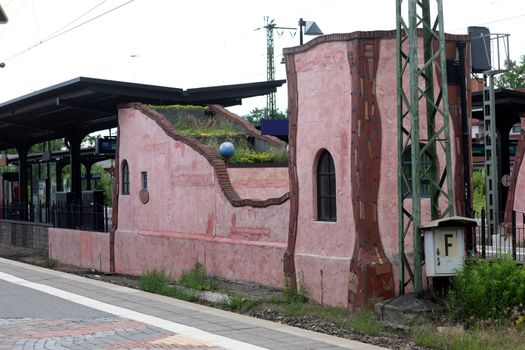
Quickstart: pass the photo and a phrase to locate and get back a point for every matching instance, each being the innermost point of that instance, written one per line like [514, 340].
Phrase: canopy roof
[509, 103]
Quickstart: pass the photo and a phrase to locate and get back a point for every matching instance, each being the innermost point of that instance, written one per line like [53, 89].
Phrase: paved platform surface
[46, 309]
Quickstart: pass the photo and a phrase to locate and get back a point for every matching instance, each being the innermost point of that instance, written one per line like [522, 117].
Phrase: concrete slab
[405, 310]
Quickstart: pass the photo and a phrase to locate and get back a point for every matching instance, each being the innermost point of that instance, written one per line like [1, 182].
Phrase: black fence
[506, 238]
[89, 217]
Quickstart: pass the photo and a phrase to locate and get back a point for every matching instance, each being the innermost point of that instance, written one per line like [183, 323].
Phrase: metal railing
[79, 216]
[506, 238]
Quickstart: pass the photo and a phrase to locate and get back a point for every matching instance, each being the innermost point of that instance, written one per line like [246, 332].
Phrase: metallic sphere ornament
[226, 149]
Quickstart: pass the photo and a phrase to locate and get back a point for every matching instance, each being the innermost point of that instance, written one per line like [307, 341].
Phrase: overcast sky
[189, 44]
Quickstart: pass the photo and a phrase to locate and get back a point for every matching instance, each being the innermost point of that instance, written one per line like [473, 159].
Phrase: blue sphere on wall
[226, 149]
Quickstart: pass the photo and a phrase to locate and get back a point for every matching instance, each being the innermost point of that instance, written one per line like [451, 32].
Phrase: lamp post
[3, 16]
[3, 20]
[310, 28]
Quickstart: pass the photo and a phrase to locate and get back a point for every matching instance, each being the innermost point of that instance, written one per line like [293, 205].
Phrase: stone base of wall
[25, 234]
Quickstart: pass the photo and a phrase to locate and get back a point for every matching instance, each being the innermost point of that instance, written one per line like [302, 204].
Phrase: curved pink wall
[259, 183]
[188, 217]
[324, 249]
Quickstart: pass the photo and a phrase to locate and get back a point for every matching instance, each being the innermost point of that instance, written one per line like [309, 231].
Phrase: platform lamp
[3, 20]
[310, 28]
[3, 16]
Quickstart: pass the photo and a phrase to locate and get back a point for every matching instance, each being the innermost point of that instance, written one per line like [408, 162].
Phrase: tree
[514, 77]
[256, 114]
[55, 145]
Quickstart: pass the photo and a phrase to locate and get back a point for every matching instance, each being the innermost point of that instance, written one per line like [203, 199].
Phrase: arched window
[407, 173]
[326, 201]
[125, 177]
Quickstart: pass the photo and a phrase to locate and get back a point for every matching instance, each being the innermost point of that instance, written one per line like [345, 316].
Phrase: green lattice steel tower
[417, 157]
[270, 64]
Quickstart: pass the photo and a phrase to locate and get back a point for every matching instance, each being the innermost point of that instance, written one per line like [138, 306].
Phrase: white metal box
[444, 250]
[445, 245]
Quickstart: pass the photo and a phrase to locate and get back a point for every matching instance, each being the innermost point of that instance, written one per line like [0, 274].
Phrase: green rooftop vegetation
[212, 130]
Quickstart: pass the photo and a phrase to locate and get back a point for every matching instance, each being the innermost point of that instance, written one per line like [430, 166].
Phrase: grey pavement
[47, 309]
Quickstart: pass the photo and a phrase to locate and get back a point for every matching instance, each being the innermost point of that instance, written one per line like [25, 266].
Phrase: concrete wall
[80, 248]
[188, 217]
[21, 234]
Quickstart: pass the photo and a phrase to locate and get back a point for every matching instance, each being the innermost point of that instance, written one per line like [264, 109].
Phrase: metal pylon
[491, 154]
[270, 66]
[421, 87]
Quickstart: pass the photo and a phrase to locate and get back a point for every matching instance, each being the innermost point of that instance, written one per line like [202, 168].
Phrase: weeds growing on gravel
[293, 296]
[365, 322]
[154, 281]
[158, 281]
[196, 278]
[238, 302]
[476, 338]
[50, 263]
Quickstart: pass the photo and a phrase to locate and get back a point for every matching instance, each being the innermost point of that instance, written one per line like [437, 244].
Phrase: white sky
[197, 43]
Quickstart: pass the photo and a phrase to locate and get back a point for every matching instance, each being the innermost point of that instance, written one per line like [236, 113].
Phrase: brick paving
[112, 333]
[44, 309]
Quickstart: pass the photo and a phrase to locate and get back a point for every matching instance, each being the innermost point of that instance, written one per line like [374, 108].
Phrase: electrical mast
[270, 64]
[422, 153]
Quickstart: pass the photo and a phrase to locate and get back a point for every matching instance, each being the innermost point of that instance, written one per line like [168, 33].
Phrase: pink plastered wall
[324, 249]
[519, 196]
[79, 248]
[188, 218]
[256, 184]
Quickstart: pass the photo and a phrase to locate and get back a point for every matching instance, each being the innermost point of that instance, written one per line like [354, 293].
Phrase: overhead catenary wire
[78, 18]
[492, 22]
[54, 36]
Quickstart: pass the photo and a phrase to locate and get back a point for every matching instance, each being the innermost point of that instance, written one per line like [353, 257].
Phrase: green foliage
[295, 296]
[514, 77]
[478, 180]
[256, 114]
[240, 303]
[154, 281]
[55, 145]
[475, 338]
[158, 281]
[365, 322]
[104, 184]
[190, 126]
[249, 156]
[177, 107]
[487, 289]
[214, 130]
[295, 309]
[50, 263]
[196, 278]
